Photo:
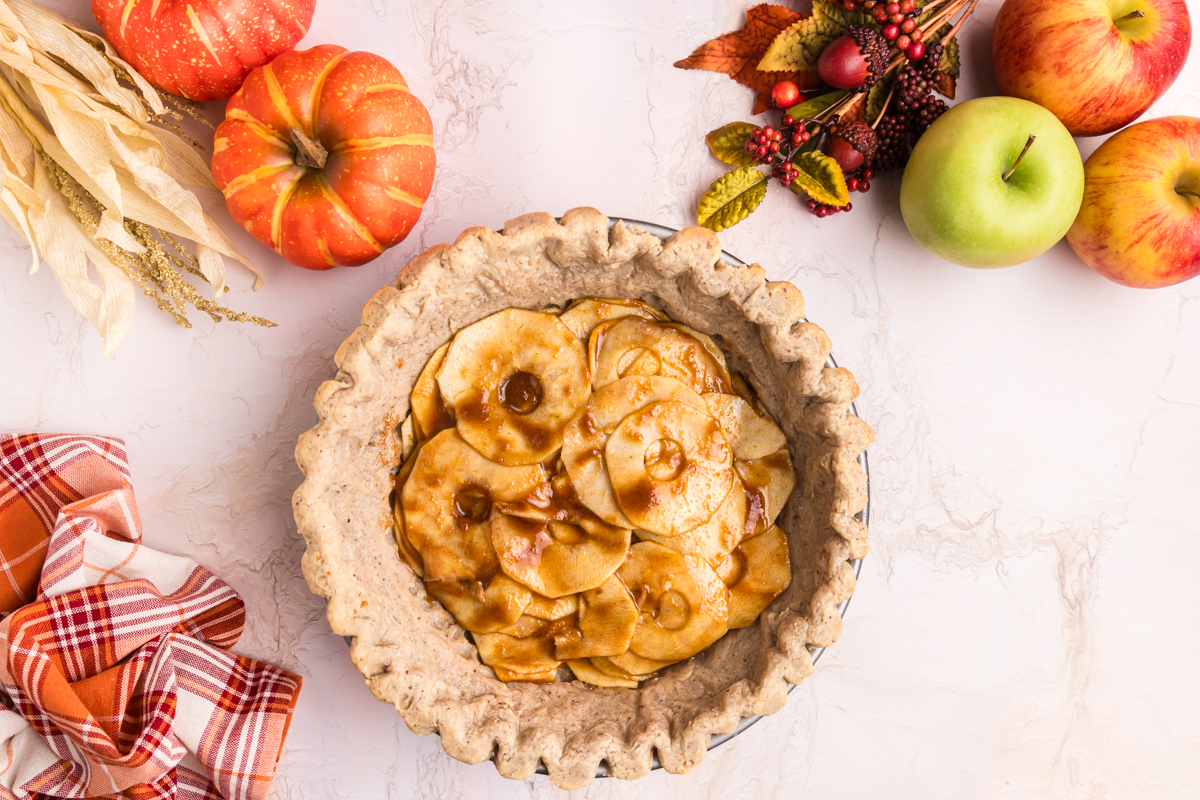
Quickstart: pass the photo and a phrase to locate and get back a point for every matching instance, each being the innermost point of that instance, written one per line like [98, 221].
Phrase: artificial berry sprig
[899, 21]
[907, 112]
[888, 57]
[776, 147]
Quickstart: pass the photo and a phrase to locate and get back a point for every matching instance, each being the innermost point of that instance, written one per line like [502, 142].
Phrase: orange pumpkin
[202, 49]
[325, 156]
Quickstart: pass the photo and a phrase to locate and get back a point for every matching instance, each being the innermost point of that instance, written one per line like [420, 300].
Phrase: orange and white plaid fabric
[116, 679]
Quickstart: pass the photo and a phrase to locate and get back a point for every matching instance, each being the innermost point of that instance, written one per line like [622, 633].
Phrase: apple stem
[1129, 16]
[309, 152]
[1013, 168]
[1188, 193]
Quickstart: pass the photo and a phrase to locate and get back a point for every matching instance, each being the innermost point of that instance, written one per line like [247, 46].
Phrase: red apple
[1097, 64]
[1139, 224]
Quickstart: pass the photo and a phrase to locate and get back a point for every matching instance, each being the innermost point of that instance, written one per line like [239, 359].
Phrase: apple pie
[582, 495]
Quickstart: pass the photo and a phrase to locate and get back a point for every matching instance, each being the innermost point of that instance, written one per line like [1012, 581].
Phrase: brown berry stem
[309, 152]
[1013, 168]
[958, 25]
[1129, 16]
[943, 14]
[883, 108]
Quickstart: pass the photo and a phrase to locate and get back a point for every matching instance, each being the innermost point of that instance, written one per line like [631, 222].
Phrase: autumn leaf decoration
[780, 44]
[799, 47]
[731, 199]
[728, 144]
[737, 54]
[820, 177]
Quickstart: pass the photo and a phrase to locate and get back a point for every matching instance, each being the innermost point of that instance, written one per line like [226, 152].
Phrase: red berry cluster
[764, 143]
[786, 173]
[775, 147]
[899, 21]
[822, 210]
[799, 134]
[862, 183]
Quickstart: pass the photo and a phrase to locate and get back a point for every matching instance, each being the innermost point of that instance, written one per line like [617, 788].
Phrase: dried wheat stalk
[91, 177]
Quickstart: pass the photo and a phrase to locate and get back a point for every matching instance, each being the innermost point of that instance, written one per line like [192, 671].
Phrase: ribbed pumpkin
[325, 156]
[202, 49]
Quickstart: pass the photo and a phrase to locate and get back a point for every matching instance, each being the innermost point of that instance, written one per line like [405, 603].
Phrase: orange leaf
[737, 54]
[946, 84]
[856, 109]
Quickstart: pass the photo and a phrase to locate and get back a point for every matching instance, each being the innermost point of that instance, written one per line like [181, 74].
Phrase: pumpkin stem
[309, 152]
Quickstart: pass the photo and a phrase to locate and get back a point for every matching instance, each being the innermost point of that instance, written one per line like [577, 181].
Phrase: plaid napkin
[117, 679]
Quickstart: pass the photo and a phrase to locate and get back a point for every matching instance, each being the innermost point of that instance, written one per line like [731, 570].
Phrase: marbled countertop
[1026, 624]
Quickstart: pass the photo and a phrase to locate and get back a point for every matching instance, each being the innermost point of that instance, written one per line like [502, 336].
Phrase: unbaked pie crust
[413, 653]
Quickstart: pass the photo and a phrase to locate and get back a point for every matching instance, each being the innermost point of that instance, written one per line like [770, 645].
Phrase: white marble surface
[1026, 625]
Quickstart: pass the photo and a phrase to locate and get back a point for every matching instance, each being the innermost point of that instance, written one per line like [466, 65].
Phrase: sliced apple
[585, 437]
[743, 389]
[711, 346]
[730, 567]
[547, 608]
[607, 618]
[757, 572]
[635, 346]
[530, 659]
[447, 504]
[525, 626]
[750, 434]
[408, 553]
[585, 671]
[713, 539]
[769, 483]
[480, 610]
[406, 438]
[584, 315]
[555, 558]
[669, 466]
[513, 381]
[429, 413]
[683, 605]
[631, 664]
[595, 343]
[561, 505]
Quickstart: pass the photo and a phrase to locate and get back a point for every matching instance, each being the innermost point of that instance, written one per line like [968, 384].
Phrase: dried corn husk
[90, 176]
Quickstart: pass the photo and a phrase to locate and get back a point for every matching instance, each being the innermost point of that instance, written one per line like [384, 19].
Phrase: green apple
[994, 182]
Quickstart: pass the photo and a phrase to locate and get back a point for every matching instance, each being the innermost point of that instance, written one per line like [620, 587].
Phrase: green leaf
[821, 178]
[838, 13]
[798, 47]
[728, 144]
[947, 77]
[950, 59]
[810, 108]
[877, 95]
[732, 198]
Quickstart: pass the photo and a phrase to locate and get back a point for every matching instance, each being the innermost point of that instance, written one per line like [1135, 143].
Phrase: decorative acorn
[854, 60]
[852, 144]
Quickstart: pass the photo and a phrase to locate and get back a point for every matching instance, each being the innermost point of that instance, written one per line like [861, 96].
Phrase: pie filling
[591, 487]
